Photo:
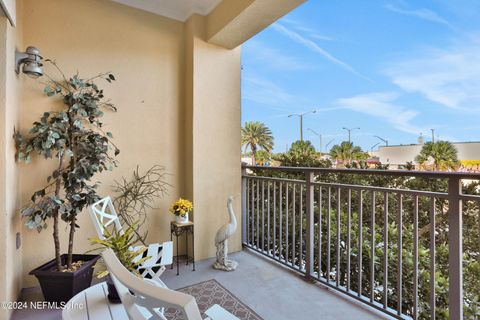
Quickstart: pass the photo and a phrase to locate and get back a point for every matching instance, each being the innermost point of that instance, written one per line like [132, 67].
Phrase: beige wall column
[212, 110]
[10, 224]
[213, 147]
[3, 187]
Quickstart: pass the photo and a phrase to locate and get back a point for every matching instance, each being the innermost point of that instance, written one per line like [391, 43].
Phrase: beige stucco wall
[10, 89]
[214, 108]
[179, 106]
[3, 215]
[145, 52]
[155, 122]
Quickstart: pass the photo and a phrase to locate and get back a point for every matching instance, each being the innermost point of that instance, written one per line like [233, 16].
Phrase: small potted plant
[123, 244]
[181, 208]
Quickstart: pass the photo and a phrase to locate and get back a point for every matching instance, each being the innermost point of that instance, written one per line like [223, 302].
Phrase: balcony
[279, 293]
[343, 228]
[291, 216]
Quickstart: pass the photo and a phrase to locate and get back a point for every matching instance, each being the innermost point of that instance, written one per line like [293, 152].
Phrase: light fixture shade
[31, 60]
[33, 69]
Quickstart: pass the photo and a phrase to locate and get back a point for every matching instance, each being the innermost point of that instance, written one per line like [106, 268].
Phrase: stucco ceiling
[175, 9]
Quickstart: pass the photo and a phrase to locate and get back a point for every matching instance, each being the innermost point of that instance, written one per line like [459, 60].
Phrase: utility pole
[300, 115]
[320, 136]
[384, 140]
[433, 135]
[373, 147]
[326, 147]
[350, 132]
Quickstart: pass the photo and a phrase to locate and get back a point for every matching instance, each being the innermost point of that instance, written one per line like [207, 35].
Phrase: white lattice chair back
[143, 299]
[104, 216]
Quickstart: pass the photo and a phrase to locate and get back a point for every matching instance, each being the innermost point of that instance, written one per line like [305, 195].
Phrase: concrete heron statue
[221, 240]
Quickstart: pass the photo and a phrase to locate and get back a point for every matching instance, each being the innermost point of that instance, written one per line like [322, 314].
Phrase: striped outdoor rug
[211, 292]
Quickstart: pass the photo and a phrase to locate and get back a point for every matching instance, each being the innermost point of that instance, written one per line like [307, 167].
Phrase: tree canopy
[441, 155]
[301, 154]
[346, 152]
[256, 135]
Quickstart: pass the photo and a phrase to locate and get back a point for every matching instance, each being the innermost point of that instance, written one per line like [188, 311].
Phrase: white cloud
[421, 13]
[269, 94]
[448, 76]
[298, 26]
[382, 105]
[272, 58]
[306, 42]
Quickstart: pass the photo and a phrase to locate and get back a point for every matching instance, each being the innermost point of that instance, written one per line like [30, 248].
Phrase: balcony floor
[271, 290]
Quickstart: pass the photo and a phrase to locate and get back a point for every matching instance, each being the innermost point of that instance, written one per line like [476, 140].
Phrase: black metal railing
[391, 239]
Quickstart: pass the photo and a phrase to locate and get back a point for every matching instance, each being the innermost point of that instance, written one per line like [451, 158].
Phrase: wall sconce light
[31, 60]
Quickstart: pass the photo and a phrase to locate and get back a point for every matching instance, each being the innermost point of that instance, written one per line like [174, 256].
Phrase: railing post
[244, 204]
[309, 260]
[455, 250]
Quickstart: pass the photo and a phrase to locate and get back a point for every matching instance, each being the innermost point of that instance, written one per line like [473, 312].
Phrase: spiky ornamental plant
[75, 138]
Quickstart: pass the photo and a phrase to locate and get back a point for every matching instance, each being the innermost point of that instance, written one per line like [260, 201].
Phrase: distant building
[247, 160]
[401, 154]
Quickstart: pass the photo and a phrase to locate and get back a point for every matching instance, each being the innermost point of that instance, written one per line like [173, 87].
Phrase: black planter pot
[112, 291]
[62, 286]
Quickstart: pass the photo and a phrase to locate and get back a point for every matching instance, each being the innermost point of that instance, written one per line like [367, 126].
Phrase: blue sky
[394, 68]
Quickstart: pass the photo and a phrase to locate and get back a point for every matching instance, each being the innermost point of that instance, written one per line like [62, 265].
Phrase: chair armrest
[216, 312]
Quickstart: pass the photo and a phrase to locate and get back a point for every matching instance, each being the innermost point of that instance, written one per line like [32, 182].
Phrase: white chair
[144, 300]
[103, 215]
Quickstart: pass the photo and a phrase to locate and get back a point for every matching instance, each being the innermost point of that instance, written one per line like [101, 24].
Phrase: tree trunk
[73, 160]
[58, 261]
[254, 155]
[70, 243]
[56, 240]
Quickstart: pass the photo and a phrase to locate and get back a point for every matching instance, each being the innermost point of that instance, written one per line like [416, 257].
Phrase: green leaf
[111, 77]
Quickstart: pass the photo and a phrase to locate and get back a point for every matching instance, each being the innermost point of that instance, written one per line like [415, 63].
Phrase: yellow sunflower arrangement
[181, 207]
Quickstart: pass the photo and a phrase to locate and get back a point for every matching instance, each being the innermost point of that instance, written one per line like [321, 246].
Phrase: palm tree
[301, 154]
[442, 154]
[346, 152]
[256, 135]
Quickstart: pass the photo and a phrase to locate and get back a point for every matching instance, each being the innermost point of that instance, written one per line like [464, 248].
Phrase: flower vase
[182, 219]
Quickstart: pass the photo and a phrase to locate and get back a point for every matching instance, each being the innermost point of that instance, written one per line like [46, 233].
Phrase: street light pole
[300, 115]
[433, 135]
[373, 147]
[384, 140]
[320, 136]
[326, 147]
[350, 132]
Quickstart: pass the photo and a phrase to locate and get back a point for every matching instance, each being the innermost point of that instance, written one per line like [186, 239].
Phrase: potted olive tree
[73, 136]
